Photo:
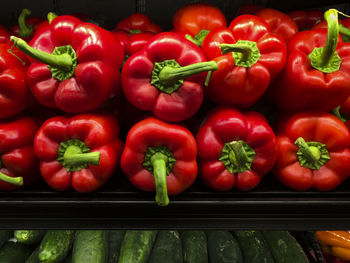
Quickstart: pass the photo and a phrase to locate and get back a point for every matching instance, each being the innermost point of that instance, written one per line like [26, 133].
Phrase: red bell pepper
[317, 72]
[18, 164]
[132, 43]
[344, 28]
[137, 23]
[4, 35]
[75, 65]
[80, 152]
[160, 157]
[306, 19]
[235, 149]
[14, 93]
[249, 58]
[280, 23]
[26, 27]
[194, 21]
[313, 152]
[163, 77]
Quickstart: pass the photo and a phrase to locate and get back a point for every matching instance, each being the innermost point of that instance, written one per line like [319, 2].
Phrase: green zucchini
[167, 248]
[90, 246]
[194, 247]
[223, 248]
[5, 235]
[29, 237]
[55, 245]
[136, 246]
[254, 247]
[284, 247]
[12, 252]
[115, 240]
[34, 257]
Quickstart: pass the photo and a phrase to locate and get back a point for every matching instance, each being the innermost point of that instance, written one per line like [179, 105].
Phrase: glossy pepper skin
[333, 238]
[235, 150]
[195, 21]
[336, 244]
[132, 43]
[280, 23]
[4, 35]
[14, 93]
[18, 164]
[86, 73]
[163, 77]
[306, 19]
[137, 23]
[242, 79]
[317, 72]
[313, 152]
[160, 157]
[26, 27]
[82, 151]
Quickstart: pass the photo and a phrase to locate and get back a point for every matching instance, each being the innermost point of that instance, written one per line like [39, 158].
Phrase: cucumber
[90, 246]
[114, 243]
[55, 245]
[34, 257]
[12, 252]
[223, 248]
[136, 246]
[254, 247]
[284, 247]
[29, 237]
[194, 246]
[5, 235]
[167, 248]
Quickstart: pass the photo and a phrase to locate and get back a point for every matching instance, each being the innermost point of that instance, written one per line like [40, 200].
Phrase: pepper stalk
[11, 180]
[326, 59]
[24, 29]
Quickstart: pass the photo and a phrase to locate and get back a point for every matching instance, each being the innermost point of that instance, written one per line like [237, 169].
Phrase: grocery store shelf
[268, 207]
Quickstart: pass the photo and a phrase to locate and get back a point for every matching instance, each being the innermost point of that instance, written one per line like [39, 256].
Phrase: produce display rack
[118, 205]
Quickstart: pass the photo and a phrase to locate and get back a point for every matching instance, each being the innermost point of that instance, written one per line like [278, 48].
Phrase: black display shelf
[119, 205]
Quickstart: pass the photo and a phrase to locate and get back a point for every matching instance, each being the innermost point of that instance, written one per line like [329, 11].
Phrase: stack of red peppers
[203, 71]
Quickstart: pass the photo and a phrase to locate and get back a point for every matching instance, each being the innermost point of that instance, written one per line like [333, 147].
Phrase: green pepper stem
[11, 180]
[159, 163]
[238, 155]
[74, 157]
[311, 153]
[199, 38]
[171, 74]
[331, 16]
[51, 16]
[63, 62]
[24, 29]
[134, 31]
[344, 31]
[336, 112]
[241, 48]
[193, 40]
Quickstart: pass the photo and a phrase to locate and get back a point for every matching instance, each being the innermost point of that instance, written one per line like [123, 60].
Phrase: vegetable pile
[133, 246]
[227, 101]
